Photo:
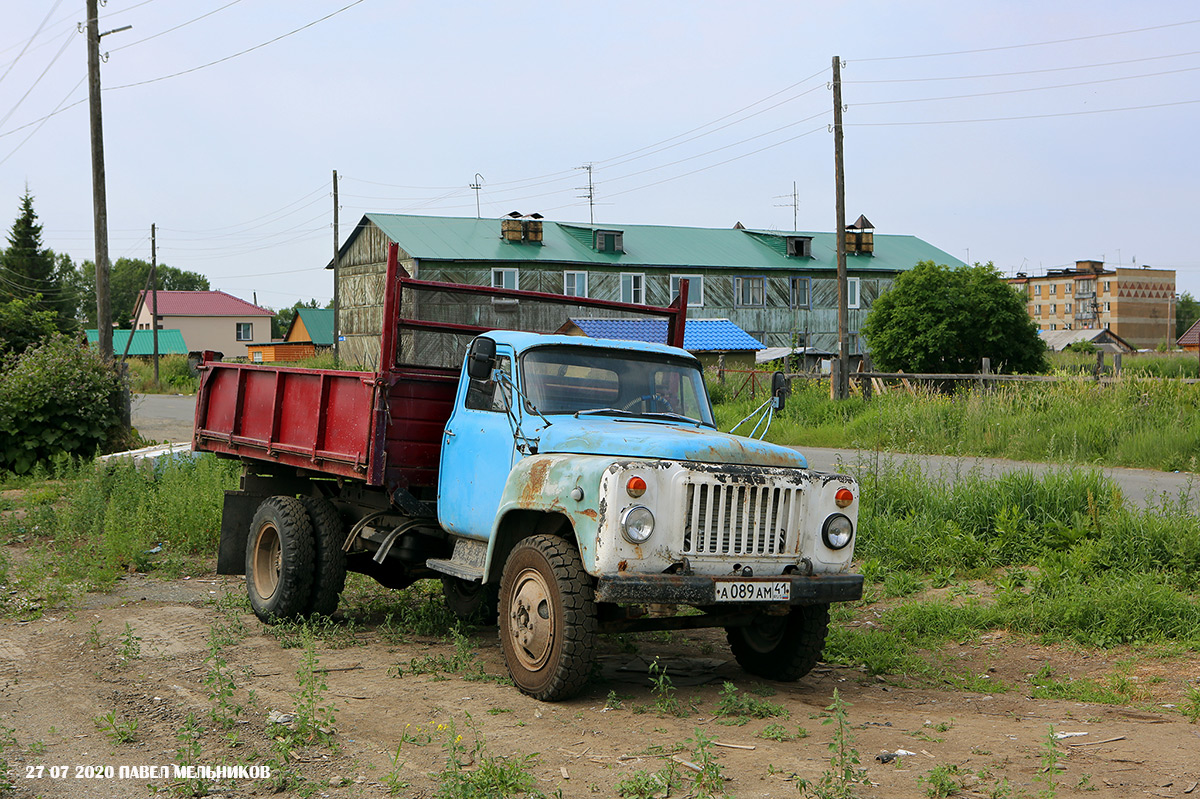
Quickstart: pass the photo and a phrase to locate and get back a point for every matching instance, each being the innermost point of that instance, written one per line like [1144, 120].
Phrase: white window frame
[256, 357]
[637, 294]
[695, 289]
[853, 295]
[739, 284]
[504, 272]
[573, 290]
[249, 331]
[792, 281]
[1037, 290]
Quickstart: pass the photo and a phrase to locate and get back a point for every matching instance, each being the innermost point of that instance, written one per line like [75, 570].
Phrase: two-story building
[1136, 303]
[208, 320]
[778, 286]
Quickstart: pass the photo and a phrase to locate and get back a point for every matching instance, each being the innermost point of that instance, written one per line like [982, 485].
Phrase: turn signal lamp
[843, 497]
[635, 487]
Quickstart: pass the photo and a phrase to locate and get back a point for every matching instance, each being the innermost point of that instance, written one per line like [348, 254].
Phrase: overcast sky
[1029, 134]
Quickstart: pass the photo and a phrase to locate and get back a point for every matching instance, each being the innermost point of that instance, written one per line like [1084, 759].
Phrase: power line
[1030, 116]
[1025, 72]
[236, 55]
[36, 33]
[28, 91]
[1030, 44]
[177, 27]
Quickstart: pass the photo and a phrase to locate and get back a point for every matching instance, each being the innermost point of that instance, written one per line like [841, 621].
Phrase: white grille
[737, 519]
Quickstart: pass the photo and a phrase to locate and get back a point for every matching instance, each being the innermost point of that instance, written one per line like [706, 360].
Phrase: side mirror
[481, 359]
[780, 388]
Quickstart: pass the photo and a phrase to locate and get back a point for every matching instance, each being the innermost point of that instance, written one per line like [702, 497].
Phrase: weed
[736, 708]
[666, 702]
[651, 785]
[941, 781]
[614, 701]
[1085, 783]
[220, 682]
[313, 719]
[118, 731]
[1050, 767]
[710, 781]
[188, 754]
[7, 741]
[844, 772]
[393, 780]
[1191, 707]
[130, 646]
[778, 732]
[491, 776]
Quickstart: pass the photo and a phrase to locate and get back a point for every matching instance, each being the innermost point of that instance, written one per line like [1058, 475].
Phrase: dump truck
[559, 486]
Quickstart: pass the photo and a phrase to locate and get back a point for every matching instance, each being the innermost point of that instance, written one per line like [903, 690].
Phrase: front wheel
[547, 618]
[783, 648]
[279, 559]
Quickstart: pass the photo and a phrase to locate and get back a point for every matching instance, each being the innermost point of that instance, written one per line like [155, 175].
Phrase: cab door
[477, 453]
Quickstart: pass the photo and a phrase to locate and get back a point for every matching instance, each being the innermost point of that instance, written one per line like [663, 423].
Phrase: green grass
[1151, 423]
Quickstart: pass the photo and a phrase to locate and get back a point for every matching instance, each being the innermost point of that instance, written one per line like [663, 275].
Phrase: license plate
[753, 590]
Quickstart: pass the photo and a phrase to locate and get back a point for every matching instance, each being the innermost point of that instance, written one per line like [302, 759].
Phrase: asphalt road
[169, 417]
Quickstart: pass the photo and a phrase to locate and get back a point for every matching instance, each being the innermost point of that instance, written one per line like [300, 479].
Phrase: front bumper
[700, 590]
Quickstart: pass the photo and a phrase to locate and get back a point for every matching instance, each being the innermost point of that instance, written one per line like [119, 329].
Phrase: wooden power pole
[842, 389]
[337, 328]
[153, 297]
[99, 206]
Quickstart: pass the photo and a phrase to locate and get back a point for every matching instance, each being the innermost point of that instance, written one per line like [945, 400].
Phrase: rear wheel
[329, 561]
[783, 648]
[547, 618]
[471, 602]
[279, 559]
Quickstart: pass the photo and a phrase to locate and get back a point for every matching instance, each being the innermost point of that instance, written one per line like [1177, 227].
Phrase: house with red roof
[208, 320]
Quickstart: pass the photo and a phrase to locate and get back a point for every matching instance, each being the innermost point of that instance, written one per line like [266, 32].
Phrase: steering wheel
[646, 399]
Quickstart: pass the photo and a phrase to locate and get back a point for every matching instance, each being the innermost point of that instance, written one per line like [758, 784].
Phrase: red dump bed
[385, 427]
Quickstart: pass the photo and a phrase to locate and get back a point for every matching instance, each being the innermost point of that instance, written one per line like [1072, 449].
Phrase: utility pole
[153, 297]
[337, 328]
[591, 194]
[795, 203]
[477, 185]
[99, 200]
[842, 389]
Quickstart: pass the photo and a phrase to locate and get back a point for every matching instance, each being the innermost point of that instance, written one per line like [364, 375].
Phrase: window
[1067, 289]
[1053, 308]
[695, 289]
[609, 241]
[505, 279]
[799, 246]
[748, 291]
[1106, 286]
[1054, 327]
[1037, 290]
[1037, 310]
[575, 284]
[1107, 306]
[632, 288]
[1067, 307]
[799, 292]
[1053, 289]
[256, 356]
[852, 298]
[245, 331]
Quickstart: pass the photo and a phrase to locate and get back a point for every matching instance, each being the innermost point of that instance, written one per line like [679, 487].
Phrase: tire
[547, 618]
[471, 602]
[329, 561]
[279, 560]
[782, 648]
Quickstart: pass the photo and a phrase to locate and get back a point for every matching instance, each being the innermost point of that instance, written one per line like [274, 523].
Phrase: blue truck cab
[585, 488]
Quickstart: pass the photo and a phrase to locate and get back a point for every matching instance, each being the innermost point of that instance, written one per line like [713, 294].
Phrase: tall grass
[1135, 422]
[174, 376]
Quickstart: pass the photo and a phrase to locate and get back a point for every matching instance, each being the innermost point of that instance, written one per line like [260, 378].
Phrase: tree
[28, 270]
[946, 320]
[1187, 311]
[22, 325]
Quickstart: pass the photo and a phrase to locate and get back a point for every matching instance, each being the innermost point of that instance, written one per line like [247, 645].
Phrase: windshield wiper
[671, 416]
[616, 411]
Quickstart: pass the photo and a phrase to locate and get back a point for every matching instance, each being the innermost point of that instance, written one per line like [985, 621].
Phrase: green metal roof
[437, 238]
[319, 324]
[170, 342]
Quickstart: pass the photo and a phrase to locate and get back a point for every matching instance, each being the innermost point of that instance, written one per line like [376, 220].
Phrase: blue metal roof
[699, 335]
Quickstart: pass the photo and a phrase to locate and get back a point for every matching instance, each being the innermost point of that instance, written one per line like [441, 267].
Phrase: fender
[563, 484]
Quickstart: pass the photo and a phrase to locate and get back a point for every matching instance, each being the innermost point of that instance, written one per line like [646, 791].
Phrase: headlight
[637, 524]
[837, 531]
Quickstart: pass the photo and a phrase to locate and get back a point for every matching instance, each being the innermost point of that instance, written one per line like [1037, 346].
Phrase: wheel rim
[765, 633]
[532, 617]
[268, 561]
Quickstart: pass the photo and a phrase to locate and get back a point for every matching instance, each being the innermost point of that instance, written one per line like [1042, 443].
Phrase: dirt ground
[140, 654]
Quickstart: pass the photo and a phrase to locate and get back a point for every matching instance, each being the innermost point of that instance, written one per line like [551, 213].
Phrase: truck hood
[633, 438]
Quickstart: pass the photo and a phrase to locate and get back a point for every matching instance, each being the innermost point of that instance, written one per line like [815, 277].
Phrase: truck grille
[732, 519]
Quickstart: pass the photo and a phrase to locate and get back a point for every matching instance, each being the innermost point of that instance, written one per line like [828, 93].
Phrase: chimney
[860, 237]
[517, 227]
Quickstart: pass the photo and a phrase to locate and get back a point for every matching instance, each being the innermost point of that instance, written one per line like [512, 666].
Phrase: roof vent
[860, 237]
[517, 227]
[799, 246]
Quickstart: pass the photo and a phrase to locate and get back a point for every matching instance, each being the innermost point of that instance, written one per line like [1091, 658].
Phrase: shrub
[58, 397]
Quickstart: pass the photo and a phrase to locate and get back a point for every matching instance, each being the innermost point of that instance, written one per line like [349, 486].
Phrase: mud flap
[236, 516]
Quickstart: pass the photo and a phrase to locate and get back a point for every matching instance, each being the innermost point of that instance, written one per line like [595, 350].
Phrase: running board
[467, 562]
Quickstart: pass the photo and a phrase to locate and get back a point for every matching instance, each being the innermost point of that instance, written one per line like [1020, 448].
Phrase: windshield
[581, 379]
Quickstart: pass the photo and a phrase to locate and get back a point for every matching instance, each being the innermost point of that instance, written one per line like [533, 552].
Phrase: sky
[1027, 134]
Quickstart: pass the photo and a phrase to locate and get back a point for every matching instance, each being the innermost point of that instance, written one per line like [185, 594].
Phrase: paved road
[169, 417]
